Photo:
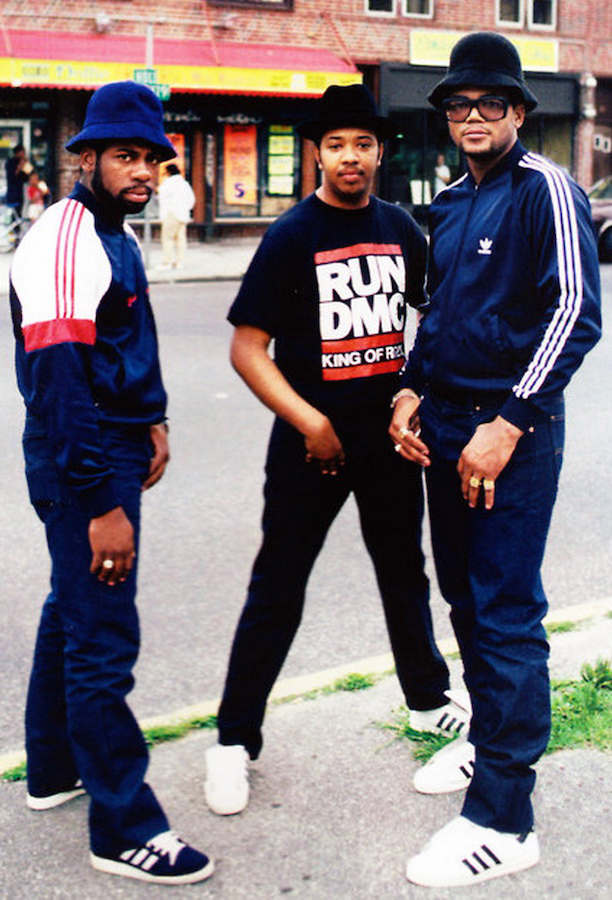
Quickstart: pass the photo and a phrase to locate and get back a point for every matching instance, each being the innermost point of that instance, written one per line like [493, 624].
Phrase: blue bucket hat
[124, 110]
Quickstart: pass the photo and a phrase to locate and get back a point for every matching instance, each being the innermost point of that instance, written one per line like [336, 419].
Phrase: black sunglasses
[490, 107]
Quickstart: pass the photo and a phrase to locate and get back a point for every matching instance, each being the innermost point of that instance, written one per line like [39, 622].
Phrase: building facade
[237, 75]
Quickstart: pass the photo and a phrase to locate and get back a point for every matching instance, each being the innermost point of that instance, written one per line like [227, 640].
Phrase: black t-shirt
[331, 286]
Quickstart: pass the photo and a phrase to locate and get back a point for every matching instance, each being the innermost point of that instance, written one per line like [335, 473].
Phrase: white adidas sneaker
[464, 853]
[451, 719]
[227, 779]
[450, 769]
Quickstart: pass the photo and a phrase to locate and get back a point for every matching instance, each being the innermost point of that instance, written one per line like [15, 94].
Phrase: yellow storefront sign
[433, 48]
[189, 78]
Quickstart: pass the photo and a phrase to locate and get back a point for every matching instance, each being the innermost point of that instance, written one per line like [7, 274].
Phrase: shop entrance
[12, 132]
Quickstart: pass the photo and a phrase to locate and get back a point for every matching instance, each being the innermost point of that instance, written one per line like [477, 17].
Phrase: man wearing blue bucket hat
[514, 286]
[95, 437]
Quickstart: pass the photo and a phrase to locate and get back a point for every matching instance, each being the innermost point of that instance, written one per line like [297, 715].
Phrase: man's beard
[118, 206]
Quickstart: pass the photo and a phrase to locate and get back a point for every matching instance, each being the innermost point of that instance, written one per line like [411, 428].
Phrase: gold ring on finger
[474, 482]
[488, 484]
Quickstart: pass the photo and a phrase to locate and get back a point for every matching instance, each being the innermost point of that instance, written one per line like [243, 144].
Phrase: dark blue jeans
[78, 723]
[488, 567]
[300, 506]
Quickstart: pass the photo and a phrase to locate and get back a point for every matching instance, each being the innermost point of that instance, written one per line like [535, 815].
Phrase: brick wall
[584, 26]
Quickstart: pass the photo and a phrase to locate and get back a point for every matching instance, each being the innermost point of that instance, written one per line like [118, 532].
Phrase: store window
[551, 136]
[422, 8]
[420, 158]
[258, 167]
[380, 7]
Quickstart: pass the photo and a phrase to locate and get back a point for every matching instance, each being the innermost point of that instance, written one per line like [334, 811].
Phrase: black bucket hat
[345, 106]
[124, 110]
[484, 59]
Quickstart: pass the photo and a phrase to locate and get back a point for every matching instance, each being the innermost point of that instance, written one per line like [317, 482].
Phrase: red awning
[37, 58]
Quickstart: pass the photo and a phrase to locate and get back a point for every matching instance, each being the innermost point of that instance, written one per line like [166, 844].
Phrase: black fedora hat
[345, 106]
[484, 59]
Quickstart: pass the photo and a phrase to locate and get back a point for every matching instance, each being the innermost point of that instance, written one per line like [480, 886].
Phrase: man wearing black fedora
[515, 305]
[330, 283]
[95, 437]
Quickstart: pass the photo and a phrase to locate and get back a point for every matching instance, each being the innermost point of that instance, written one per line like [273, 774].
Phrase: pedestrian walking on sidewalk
[176, 200]
[95, 437]
[515, 305]
[331, 283]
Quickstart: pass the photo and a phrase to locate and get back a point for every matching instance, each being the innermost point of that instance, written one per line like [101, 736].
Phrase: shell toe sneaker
[464, 853]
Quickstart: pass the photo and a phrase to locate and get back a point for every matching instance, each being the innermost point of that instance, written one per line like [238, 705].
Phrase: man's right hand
[111, 538]
[323, 446]
[405, 429]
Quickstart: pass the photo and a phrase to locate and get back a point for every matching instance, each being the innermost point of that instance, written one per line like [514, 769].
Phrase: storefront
[230, 110]
[421, 141]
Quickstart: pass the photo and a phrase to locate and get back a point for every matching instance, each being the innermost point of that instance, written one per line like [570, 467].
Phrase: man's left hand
[484, 457]
[161, 455]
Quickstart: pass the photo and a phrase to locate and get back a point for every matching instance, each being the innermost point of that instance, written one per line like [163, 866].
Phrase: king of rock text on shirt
[361, 310]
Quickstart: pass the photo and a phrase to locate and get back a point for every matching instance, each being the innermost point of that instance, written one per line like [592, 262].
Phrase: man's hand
[484, 457]
[161, 455]
[111, 538]
[323, 445]
[405, 429]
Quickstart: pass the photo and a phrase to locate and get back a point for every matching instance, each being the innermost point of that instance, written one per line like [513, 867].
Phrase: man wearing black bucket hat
[515, 305]
[330, 283]
[95, 437]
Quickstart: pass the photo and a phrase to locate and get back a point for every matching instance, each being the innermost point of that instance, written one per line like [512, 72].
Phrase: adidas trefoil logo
[485, 246]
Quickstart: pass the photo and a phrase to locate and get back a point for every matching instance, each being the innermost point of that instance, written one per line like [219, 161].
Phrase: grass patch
[581, 715]
[425, 742]
[17, 773]
[562, 627]
[354, 682]
[582, 710]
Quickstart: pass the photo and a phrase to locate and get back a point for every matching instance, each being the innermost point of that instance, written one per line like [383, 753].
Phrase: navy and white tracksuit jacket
[514, 287]
[88, 369]
[515, 305]
[86, 345]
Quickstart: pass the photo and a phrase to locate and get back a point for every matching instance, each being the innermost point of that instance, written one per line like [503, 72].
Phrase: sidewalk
[333, 814]
[224, 258]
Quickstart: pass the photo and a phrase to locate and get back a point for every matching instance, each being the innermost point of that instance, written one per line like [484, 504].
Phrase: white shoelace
[167, 843]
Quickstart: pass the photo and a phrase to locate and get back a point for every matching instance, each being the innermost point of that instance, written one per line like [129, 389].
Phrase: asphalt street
[201, 524]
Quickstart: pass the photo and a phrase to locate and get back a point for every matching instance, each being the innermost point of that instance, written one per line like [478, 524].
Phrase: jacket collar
[508, 161]
[89, 200]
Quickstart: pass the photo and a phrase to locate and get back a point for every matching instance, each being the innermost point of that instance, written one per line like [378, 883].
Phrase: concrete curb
[302, 684]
